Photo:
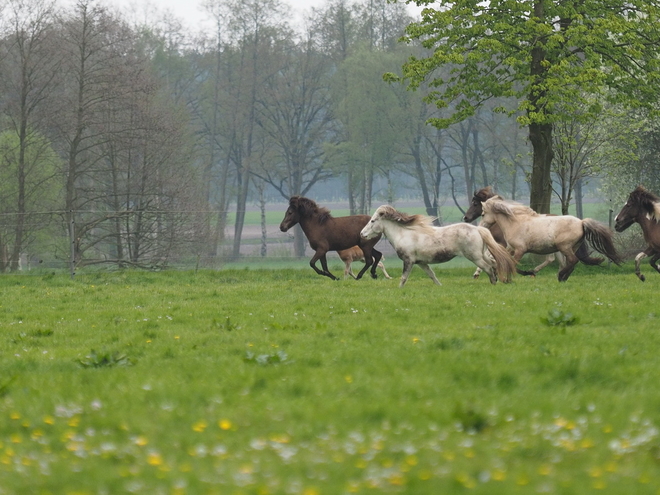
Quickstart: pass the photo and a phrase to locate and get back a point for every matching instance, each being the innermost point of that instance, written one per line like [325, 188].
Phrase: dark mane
[484, 193]
[644, 197]
[308, 208]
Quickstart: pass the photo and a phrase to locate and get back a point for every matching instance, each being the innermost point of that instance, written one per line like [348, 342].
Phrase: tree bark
[540, 136]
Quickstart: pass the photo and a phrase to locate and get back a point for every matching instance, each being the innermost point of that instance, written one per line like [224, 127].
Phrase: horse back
[340, 233]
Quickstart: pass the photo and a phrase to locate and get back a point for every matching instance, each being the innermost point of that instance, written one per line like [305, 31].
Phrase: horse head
[640, 202]
[493, 207]
[475, 209]
[292, 215]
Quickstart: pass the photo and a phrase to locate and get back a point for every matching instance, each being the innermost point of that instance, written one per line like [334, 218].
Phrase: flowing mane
[647, 200]
[389, 213]
[308, 208]
[509, 208]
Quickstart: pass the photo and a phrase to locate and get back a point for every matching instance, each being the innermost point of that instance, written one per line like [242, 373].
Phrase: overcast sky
[191, 12]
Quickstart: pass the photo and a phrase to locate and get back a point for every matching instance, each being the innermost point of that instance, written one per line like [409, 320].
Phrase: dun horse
[642, 207]
[476, 210]
[327, 233]
[529, 232]
[418, 242]
[348, 256]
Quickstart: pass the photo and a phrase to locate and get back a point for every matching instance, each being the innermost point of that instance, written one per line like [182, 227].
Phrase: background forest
[141, 144]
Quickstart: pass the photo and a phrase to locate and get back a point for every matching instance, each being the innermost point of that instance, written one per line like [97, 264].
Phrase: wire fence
[174, 239]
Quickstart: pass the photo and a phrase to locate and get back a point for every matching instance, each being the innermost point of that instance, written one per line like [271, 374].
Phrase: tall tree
[538, 53]
[294, 110]
[29, 67]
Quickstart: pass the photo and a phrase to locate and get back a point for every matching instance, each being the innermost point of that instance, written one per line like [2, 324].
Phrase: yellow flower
[200, 426]
[595, 472]
[49, 420]
[499, 475]
[15, 415]
[348, 378]
[224, 424]
[141, 441]
[154, 459]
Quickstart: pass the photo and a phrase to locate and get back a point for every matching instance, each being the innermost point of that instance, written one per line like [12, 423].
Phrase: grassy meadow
[279, 381]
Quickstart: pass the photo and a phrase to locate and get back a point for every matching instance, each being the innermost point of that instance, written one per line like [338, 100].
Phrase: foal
[348, 256]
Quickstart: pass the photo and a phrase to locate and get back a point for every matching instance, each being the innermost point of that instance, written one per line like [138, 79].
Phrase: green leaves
[105, 359]
[557, 318]
[265, 359]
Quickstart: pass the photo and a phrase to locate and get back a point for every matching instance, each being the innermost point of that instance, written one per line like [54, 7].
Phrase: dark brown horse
[476, 210]
[642, 207]
[327, 233]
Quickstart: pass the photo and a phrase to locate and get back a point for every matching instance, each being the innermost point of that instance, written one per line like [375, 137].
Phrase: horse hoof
[642, 278]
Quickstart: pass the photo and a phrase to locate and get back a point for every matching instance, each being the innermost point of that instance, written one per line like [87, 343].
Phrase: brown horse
[476, 210]
[642, 207]
[327, 233]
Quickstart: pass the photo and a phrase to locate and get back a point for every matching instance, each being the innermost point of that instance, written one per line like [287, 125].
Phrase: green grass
[280, 381]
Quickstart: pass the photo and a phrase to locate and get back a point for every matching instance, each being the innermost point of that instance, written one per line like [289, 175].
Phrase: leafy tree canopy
[545, 56]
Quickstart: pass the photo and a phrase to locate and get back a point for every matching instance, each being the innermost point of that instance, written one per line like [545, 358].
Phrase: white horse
[418, 242]
[527, 231]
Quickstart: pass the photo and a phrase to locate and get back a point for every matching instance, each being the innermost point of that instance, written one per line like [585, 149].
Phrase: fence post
[72, 237]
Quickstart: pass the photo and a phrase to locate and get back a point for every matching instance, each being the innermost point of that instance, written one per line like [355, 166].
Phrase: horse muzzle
[621, 225]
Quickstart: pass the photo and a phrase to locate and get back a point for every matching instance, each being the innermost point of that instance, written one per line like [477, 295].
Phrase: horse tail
[505, 265]
[600, 237]
[583, 255]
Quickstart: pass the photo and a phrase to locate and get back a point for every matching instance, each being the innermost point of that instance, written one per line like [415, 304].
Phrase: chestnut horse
[350, 255]
[476, 210]
[527, 231]
[642, 207]
[327, 233]
[418, 242]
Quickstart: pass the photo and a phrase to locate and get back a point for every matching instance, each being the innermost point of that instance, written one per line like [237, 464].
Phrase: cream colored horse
[529, 232]
[418, 242]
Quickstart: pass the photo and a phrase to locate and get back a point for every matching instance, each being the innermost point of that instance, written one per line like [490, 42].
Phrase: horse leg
[487, 264]
[407, 268]
[348, 270]
[377, 257]
[653, 261]
[430, 273]
[549, 259]
[517, 255]
[368, 261]
[476, 273]
[638, 261]
[382, 268]
[320, 255]
[568, 266]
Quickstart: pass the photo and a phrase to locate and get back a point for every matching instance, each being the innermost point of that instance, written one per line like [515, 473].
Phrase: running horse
[476, 210]
[527, 231]
[418, 242]
[327, 233]
[642, 207]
